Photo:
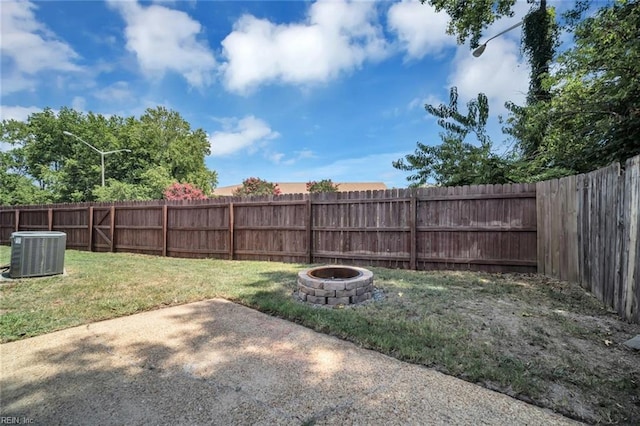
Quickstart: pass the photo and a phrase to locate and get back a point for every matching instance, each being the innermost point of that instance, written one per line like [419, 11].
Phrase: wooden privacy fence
[483, 227]
[588, 228]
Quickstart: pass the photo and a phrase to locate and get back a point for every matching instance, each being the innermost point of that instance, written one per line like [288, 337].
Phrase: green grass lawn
[534, 338]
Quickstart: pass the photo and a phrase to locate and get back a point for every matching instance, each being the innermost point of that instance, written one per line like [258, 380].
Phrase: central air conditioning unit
[36, 254]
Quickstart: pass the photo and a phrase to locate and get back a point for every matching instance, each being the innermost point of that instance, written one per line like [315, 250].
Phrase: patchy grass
[534, 338]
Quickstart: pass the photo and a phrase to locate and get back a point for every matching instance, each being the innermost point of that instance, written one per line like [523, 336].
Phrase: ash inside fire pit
[335, 285]
[334, 273]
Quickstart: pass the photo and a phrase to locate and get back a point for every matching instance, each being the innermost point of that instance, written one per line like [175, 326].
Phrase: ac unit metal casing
[36, 253]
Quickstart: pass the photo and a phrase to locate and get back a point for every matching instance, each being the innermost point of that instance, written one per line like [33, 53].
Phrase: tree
[539, 42]
[592, 117]
[156, 180]
[470, 18]
[257, 186]
[164, 149]
[15, 188]
[456, 162]
[116, 190]
[325, 185]
[171, 143]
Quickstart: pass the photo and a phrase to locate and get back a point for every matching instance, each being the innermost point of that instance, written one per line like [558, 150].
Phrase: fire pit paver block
[338, 300]
[335, 285]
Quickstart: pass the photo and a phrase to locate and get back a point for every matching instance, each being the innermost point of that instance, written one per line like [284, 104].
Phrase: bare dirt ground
[570, 341]
[541, 340]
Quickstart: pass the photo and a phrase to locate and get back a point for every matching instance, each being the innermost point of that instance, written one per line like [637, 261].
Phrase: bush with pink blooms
[325, 185]
[183, 191]
[257, 186]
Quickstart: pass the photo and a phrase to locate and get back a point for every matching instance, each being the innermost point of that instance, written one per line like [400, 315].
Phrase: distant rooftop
[301, 187]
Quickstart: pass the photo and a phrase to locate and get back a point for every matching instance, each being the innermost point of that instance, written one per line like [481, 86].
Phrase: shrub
[325, 185]
[257, 186]
[183, 191]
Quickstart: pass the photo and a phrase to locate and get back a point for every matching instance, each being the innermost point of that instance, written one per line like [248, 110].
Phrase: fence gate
[103, 223]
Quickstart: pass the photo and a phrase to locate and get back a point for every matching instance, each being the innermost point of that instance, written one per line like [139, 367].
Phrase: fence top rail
[269, 203]
[199, 206]
[46, 209]
[380, 196]
[361, 200]
[454, 197]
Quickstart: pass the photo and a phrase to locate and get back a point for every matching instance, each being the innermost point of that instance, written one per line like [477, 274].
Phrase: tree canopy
[456, 161]
[582, 114]
[470, 18]
[592, 117]
[44, 164]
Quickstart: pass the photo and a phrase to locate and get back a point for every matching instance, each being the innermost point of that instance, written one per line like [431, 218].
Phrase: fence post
[17, 220]
[231, 231]
[50, 218]
[309, 230]
[113, 228]
[165, 215]
[90, 228]
[413, 236]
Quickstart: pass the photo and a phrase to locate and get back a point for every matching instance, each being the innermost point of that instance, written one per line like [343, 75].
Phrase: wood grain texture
[587, 232]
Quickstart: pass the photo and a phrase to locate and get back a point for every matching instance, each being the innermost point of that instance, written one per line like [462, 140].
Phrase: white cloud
[305, 153]
[419, 103]
[116, 92]
[279, 157]
[78, 103]
[18, 113]
[275, 157]
[28, 47]
[337, 36]
[501, 73]
[164, 40]
[239, 135]
[419, 28]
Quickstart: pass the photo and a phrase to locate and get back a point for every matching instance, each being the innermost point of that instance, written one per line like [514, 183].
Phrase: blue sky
[286, 91]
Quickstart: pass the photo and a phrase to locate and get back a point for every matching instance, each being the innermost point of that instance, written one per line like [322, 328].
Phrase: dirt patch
[567, 339]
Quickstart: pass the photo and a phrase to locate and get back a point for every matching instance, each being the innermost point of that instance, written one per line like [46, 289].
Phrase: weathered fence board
[629, 293]
[588, 233]
[485, 227]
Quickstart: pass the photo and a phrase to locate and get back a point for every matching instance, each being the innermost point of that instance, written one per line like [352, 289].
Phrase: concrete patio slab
[215, 362]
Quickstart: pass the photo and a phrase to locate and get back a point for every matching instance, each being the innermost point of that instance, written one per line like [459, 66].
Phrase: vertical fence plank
[572, 230]
[165, 218]
[542, 196]
[553, 239]
[112, 225]
[50, 219]
[309, 225]
[17, 220]
[90, 228]
[562, 236]
[585, 225]
[413, 235]
[631, 274]
[231, 226]
[587, 232]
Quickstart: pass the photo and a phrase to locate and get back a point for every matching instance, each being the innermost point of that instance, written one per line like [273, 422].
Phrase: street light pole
[102, 153]
[480, 50]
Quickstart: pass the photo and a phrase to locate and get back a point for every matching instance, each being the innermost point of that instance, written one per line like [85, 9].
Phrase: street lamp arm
[102, 153]
[117, 150]
[83, 141]
[505, 31]
[483, 46]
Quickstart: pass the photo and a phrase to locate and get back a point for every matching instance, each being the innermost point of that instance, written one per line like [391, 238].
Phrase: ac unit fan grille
[35, 254]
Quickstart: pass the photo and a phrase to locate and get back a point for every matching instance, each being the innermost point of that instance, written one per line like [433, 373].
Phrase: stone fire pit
[335, 285]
